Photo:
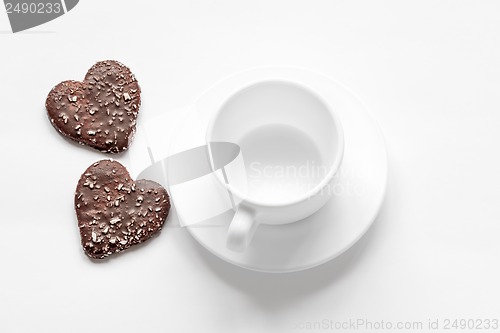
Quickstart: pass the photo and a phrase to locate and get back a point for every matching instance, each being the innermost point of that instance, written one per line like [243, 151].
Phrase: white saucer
[333, 229]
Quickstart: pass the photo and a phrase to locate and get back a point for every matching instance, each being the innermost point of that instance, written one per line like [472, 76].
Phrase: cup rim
[304, 196]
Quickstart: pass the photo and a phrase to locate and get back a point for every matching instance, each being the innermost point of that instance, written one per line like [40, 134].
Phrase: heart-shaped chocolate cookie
[101, 111]
[114, 212]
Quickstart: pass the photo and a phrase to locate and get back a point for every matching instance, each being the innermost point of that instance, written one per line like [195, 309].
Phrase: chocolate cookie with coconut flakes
[100, 111]
[115, 212]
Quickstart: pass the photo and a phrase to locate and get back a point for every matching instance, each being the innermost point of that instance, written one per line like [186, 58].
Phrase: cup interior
[290, 139]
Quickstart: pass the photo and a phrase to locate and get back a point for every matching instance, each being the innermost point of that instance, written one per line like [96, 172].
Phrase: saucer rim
[384, 158]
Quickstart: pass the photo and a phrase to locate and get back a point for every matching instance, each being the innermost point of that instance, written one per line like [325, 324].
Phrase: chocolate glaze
[101, 111]
[114, 212]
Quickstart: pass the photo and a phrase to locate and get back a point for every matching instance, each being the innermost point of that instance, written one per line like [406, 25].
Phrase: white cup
[292, 145]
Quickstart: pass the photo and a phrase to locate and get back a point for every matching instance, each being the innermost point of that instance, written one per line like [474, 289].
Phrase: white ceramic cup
[292, 145]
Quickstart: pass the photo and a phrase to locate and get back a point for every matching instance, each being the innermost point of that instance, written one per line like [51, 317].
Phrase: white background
[429, 71]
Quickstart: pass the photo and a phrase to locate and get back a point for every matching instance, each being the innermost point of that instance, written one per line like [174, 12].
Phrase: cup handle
[241, 229]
